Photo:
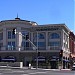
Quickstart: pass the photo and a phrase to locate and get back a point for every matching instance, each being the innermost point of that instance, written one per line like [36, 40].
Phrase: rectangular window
[13, 36]
[1, 45]
[27, 44]
[24, 33]
[40, 44]
[54, 43]
[11, 45]
[9, 34]
[23, 44]
[1, 36]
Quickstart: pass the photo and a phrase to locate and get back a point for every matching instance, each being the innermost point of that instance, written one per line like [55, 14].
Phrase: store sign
[46, 29]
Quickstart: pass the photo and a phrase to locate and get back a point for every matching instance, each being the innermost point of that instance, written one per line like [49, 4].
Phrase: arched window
[40, 36]
[54, 36]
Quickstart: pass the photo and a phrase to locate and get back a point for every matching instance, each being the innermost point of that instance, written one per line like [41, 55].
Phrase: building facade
[72, 45]
[45, 43]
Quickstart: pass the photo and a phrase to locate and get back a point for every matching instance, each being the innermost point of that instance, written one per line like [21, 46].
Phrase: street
[34, 72]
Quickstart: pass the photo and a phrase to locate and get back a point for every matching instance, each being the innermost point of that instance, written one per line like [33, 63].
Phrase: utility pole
[37, 53]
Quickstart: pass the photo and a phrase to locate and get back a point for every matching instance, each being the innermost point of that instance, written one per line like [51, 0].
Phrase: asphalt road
[34, 72]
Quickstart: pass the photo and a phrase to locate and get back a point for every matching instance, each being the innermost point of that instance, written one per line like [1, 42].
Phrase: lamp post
[27, 38]
[37, 53]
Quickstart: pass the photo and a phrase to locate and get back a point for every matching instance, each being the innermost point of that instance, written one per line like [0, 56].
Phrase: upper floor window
[11, 45]
[54, 36]
[40, 44]
[11, 35]
[25, 44]
[54, 43]
[1, 36]
[39, 36]
[24, 33]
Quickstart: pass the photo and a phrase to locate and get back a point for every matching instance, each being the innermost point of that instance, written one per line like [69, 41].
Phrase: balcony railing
[33, 48]
[7, 48]
[54, 48]
[28, 48]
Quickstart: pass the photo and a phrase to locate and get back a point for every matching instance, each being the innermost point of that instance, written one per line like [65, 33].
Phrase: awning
[8, 59]
[53, 60]
[66, 60]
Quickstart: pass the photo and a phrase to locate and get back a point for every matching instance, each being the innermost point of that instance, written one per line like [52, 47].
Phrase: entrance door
[27, 60]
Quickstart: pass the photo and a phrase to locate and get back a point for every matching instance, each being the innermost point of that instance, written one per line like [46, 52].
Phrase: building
[72, 45]
[49, 43]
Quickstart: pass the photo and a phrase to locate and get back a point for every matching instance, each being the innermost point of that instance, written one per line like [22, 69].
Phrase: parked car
[73, 67]
[9, 59]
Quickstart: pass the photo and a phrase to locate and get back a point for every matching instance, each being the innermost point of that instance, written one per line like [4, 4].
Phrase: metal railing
[28, 48]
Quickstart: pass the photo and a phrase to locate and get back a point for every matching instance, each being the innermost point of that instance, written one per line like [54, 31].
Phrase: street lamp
[37, 53]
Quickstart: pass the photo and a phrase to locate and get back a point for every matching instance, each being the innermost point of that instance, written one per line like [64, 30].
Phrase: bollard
[29, 66]
[21, 64]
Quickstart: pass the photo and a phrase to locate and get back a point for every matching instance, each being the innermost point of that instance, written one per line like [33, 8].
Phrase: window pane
[40, 44]
[54, 36]
[13, 44]
[9, 43]
[27, 44]
[23, 43]
[24, 33]
[13, 36]
[9, 34]
[54, 43]
[41, 36]
[1, 36]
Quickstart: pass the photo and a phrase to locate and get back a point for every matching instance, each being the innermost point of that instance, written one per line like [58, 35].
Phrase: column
[18, 38]
[31, 38]
[62, 39]
[46, 41]
[4, 39]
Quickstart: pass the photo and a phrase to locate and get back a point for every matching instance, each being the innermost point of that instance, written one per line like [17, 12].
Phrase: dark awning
[66, 60]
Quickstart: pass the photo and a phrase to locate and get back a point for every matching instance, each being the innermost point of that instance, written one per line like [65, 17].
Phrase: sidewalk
[1, 67]
[53, 69]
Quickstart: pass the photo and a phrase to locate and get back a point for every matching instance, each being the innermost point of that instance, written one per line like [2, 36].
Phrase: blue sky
[40, 11]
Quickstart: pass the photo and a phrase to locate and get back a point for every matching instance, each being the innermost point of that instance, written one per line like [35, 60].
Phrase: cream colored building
[49, 40]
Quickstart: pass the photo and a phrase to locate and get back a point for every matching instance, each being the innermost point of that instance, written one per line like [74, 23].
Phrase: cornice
[14, 22]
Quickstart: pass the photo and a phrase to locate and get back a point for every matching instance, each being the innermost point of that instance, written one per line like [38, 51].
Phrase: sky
[40, 11]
